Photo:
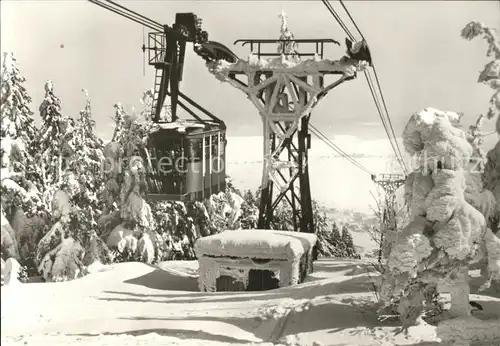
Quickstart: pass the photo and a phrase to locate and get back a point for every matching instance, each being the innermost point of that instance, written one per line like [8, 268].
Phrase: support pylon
[285, 89]
[284, 94]
[389, 183]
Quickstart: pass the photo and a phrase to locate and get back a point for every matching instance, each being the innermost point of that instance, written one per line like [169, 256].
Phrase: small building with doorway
[254, 260]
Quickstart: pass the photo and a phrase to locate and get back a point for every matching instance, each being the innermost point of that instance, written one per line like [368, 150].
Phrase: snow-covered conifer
[18, 134]
[52, 135]
[16, 116]
[348, 242]
[490, 76]
[491, 72]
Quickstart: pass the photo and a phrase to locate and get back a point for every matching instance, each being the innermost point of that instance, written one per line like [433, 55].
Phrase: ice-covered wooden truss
[285, 89]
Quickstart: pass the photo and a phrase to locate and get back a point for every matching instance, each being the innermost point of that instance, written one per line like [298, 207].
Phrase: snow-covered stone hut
[254, 260]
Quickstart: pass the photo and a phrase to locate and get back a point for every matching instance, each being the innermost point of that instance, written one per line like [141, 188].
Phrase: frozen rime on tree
[18, 134]
[446, 233]
[127, 222]
[72, 244]
[490, 76]
[20, 180]
[16, 116]
[491, 72]
[51, 136]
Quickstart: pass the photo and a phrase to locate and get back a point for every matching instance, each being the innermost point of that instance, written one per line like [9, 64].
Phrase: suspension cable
[336, 148]
[388, 117]
[338, 19]
[387, 124]
[128, 14]
[392, 140]
[380, 89]
[144, 18]
[352, 20]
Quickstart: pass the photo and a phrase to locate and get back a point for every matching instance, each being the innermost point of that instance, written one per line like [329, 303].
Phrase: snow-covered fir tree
[491, 72]
[17, 120]
[86, 158]
[330, 241]
[18, 134]
[348, 242]
[490, 75]
[54, 130]
[75, 206]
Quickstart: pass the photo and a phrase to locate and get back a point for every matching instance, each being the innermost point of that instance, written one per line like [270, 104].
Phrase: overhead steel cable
[129, 15]
[336, 148]
[125, 9]
[338, 19]
[388, 117]
[387, 124]
[379, 87]
[392, 140]
[352, 20]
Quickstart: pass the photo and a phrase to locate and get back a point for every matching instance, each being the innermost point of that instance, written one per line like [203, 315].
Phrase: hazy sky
[421, 59]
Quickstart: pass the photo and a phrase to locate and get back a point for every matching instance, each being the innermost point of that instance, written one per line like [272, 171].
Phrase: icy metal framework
[389, 182]
[285, 90]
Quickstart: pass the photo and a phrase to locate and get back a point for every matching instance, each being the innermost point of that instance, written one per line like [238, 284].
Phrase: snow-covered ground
[139, 304]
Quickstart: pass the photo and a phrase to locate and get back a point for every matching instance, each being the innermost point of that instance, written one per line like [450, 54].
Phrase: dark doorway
[226, 283]
[262, 280]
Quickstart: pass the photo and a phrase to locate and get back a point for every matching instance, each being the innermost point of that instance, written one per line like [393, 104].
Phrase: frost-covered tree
[75, 206]
[18, 134]
[72, 245]
[332, 245]
[491, 72]
[348, 242]
[20, 178]
[85, 159]
[17, 120]
[447, 231]
[127, 222]
[391, 216]
[55, 129]
[490, 75]
[335, 243]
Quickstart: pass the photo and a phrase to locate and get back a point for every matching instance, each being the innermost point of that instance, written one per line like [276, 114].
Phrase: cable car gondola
[185, 158]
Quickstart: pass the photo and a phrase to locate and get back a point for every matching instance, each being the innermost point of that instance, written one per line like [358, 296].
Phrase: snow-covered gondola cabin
[186, 160]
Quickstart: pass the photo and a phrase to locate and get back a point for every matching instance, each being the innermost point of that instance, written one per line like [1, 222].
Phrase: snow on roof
[263, 244]
[309, 66]
[180, 125]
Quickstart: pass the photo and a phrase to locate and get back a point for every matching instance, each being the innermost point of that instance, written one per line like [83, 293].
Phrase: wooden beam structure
[285, 91]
